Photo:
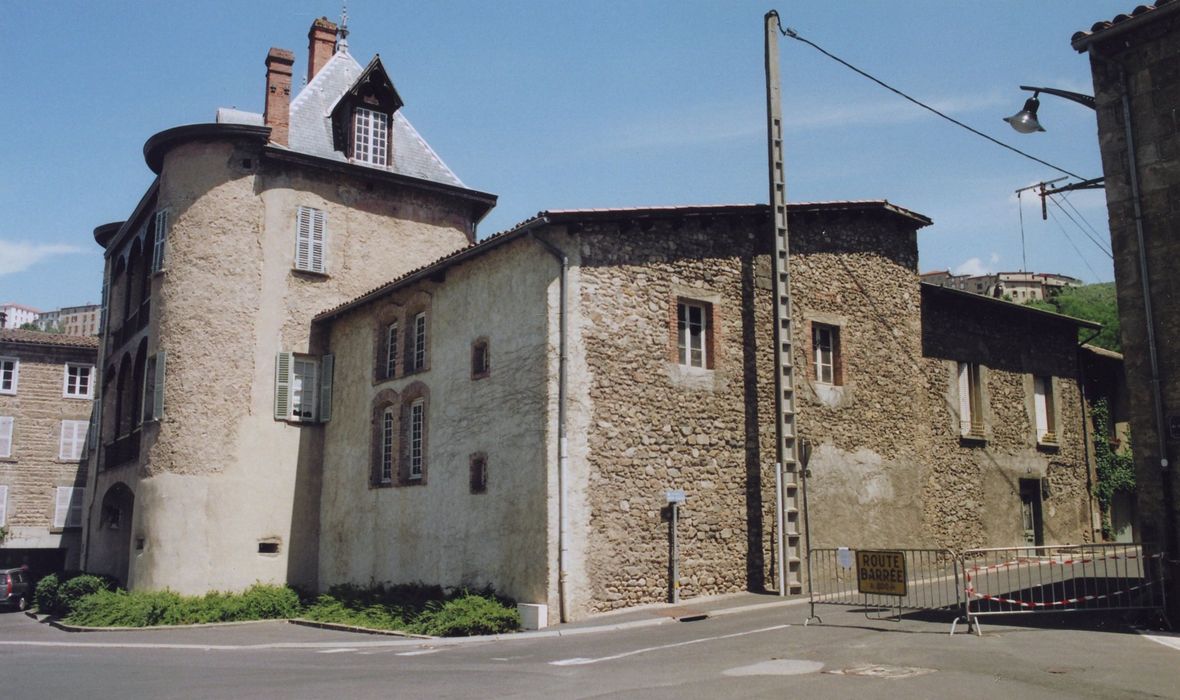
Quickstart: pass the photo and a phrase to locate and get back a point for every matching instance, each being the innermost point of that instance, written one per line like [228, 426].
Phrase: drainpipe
[562, 440]
[1086, 428]
[1145, 281]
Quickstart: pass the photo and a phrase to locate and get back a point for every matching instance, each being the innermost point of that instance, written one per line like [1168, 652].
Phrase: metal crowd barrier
[932, 581]
[1087, 577]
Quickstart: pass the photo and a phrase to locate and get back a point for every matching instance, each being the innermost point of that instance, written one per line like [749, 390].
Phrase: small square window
[78, 381]
[9, 374]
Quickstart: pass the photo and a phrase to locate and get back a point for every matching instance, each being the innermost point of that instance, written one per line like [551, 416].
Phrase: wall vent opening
[268, 547]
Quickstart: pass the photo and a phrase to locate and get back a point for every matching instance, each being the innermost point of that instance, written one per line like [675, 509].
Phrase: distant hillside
[1092, 302]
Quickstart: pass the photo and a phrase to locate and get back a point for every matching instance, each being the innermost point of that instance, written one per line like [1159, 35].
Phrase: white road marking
[334, 651]
[1168, 641]
[419, 652]
[581, 661]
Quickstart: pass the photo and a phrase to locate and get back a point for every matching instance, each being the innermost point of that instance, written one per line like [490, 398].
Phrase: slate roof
[311, 125]
[1107, 28]
[23, 337]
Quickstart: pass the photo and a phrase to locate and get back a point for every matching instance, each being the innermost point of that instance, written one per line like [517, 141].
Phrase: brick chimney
[321, 44]
[278, 94]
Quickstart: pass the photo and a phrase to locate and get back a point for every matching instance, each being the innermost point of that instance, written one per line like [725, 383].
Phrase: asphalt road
[757, 654]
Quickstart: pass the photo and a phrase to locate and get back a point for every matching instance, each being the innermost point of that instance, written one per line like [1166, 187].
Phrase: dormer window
[363, 118]
[370, 138]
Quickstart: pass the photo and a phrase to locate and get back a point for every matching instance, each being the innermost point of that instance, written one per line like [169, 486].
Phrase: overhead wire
[1093, 230]
[795, 35]
[1085, 233]
[1074, 246]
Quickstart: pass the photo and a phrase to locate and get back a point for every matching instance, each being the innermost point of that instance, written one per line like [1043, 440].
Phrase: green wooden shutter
[327, 363]
[283, 363]
[158, 387]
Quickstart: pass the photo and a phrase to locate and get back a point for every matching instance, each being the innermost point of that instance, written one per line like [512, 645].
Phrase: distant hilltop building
[16, 315]
[69, 320]
[1017, 286]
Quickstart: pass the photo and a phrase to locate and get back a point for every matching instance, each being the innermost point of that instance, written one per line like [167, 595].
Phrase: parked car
[16, 590]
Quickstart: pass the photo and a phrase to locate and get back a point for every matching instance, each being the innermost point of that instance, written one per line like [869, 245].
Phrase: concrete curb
[352, 628]
[405, 639]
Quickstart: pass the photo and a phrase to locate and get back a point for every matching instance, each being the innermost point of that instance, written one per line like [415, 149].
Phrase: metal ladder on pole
[784, 378]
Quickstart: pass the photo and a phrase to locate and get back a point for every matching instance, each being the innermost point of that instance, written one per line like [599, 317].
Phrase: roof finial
[342, 31]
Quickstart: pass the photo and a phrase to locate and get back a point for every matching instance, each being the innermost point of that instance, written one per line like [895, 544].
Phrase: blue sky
[562, 105]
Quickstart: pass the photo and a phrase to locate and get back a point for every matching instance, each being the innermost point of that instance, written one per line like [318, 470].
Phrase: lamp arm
[1071, 96]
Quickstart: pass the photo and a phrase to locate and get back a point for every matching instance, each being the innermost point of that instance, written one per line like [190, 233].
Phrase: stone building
[1134, 59]
[380, 398]
[664, 381]
[205, 479]
[46, 389]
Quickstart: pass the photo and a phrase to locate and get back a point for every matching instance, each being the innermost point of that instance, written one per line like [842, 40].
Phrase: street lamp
[1025, 121]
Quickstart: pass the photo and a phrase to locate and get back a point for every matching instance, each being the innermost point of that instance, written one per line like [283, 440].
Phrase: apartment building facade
[46, 393]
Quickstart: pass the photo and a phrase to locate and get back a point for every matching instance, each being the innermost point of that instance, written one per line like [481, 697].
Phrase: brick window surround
[415, 397]
[416, 335]
[386, 402]
[681, 312]
[388, 316]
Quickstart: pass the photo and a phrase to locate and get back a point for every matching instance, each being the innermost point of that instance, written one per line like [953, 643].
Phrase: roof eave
[1008, 305]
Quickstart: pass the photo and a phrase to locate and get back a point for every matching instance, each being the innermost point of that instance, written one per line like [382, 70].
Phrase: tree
[1092, 302]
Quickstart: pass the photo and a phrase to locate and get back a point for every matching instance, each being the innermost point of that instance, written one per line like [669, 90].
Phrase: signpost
[880, 572]
[675, 497]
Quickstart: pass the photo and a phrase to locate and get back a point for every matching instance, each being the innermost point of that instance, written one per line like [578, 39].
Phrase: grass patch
[416, 609]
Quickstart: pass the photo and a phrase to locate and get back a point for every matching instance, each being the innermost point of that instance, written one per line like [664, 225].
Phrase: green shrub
[466, 615]
[77, 588]
[45, 595]
[151, 608]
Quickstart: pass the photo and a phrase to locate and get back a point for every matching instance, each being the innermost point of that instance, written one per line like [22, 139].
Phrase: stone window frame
[419, 305]
[481, 358]
[387, 314]
[709, 302]
[477, 464]
[416, 393]
[385, 400]
[978, 402]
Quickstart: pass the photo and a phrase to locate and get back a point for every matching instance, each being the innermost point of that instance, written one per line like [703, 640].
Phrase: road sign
[675, 495]
[880, 572]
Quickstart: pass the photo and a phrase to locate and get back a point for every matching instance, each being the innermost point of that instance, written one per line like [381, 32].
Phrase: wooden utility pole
[789, 551]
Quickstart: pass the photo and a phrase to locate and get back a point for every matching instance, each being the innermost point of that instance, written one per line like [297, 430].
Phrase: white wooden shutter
[6, 436]
[3, 505]
[61, 510]
[318, 234]
[283, 385]
[327, 363]
[161, 238]
[1040, 407]
[964, 398]
[73, 439]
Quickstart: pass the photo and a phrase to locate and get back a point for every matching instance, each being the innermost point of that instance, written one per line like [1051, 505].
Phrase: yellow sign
[880, 572]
